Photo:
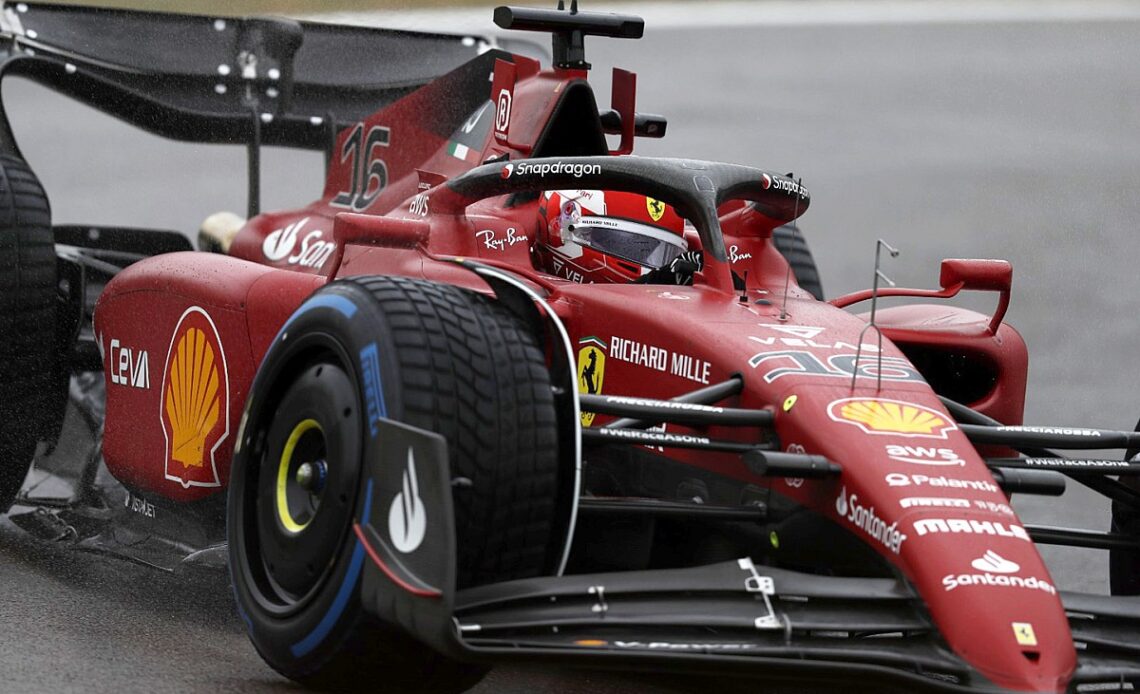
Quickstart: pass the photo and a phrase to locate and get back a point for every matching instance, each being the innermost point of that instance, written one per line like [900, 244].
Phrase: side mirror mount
[980, 275]
[373, 230]
[957, 274]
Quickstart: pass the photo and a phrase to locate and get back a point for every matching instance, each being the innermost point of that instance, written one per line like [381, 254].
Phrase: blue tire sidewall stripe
[333, 301]
[347, 586]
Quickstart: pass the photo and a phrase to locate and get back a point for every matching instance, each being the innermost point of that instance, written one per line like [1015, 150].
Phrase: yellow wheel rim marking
[283, 475]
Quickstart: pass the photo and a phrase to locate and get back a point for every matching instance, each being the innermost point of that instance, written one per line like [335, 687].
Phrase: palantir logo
[407, 518]
[279, 244]
[993, 562]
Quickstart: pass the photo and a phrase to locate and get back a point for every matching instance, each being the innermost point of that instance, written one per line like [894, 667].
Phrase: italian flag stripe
[457, 150]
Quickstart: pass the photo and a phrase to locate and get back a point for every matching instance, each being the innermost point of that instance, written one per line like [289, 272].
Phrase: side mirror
[957, 274]
[977, 274]
[983, 275]
[372, 230]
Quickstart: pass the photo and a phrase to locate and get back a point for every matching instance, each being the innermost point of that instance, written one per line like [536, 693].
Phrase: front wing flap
[737, 618]
[731, 616]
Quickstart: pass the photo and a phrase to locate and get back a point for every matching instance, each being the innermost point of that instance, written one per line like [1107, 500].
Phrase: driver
[612, 237]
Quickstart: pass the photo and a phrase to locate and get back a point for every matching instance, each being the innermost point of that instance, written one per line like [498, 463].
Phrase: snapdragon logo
[782, 184]
[524, 168]
[864, 518]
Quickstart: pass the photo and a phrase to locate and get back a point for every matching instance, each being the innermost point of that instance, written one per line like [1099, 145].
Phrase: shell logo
[891, 417]
[195, 401]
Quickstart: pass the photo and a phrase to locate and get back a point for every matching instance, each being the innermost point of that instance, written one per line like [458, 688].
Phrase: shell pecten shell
[192, 402]
[888, 416]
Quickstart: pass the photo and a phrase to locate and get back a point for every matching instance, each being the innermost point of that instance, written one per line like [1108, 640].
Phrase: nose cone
[992, 598]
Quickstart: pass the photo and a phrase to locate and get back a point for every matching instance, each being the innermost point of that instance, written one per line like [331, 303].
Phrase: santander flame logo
[995, 563]
[279, 243]
[407, 517]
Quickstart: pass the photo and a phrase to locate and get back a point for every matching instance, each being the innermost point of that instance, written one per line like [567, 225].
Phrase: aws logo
[195, 406]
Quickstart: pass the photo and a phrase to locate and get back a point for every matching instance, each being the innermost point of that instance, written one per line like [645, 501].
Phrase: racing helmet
[606, 236]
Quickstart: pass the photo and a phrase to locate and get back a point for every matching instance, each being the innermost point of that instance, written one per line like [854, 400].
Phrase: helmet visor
[638, 243]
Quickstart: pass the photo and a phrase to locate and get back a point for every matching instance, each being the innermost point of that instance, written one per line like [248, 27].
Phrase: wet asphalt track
[1015, 140]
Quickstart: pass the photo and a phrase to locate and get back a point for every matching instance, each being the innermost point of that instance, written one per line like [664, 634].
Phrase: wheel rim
[300, 508]
[301, 476]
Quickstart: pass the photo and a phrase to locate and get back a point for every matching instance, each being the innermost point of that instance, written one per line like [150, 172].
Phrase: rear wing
[221, 80]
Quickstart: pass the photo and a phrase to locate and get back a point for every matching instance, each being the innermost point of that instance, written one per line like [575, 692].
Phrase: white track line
[782, 13]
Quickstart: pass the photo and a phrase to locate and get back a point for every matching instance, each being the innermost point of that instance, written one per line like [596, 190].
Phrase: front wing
[727, 618]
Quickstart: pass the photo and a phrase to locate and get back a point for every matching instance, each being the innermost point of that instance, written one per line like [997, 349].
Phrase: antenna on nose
[879, 275]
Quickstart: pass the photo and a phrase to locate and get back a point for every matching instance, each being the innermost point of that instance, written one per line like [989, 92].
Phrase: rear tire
[451, 362]
[792, 245]
[30, 386]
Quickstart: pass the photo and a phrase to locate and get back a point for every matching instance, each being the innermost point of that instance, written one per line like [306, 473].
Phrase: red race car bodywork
[914, 488]
[448, 180]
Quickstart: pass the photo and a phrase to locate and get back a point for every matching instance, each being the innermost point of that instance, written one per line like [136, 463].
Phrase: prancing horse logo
[591, 370]
[656, 209]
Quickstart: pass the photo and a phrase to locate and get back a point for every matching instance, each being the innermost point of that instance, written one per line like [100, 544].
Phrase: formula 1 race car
[507, 392]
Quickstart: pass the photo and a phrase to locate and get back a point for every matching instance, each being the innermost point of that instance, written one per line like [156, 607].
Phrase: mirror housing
[373, 230]
[976, 274]
[957, 274]
[982, 275]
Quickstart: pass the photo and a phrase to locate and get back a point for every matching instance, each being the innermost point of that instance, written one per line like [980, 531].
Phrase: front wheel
[432, 356]
[794, 247]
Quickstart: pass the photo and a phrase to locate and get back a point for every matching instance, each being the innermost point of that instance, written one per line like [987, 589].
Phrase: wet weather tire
[451, 362]
[30, 387]
[792, 245]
